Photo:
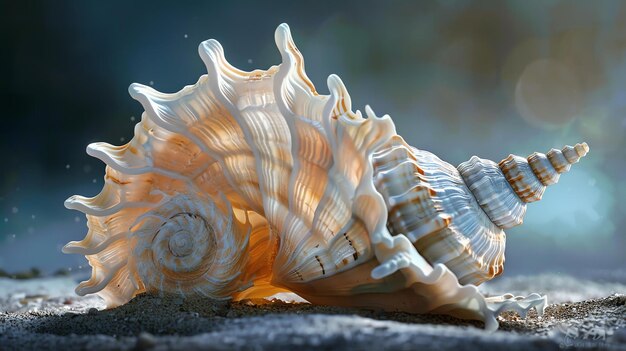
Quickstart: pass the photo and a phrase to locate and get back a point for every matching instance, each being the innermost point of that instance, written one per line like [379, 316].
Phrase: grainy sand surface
[45, 314]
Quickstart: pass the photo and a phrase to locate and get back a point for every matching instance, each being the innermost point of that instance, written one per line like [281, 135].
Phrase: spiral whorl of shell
[251, 183]
[189, 244]
[456, 216]
[429, 202]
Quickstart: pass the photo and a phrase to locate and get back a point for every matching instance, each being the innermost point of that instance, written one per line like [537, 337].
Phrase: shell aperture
[251, 183]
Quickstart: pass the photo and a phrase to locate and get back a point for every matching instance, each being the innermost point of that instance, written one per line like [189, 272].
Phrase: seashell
[247, 184]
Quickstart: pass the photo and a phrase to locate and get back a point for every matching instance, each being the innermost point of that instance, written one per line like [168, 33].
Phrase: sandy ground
[45, 314]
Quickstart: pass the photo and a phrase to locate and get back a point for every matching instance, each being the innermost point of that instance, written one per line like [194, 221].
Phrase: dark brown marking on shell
[356, 253]
[299, 275]
[321, 265]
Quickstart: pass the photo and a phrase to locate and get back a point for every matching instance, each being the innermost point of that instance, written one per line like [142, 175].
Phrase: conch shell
[247, 184]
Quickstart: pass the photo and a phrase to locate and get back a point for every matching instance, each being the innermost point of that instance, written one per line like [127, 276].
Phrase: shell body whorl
[429, 202]
[251, 183]
[493, 192]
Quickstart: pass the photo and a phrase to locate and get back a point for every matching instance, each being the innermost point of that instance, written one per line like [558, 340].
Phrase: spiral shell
[251, 183]
[188, 244]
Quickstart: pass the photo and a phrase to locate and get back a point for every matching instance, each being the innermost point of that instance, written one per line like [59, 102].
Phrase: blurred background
[459, 78]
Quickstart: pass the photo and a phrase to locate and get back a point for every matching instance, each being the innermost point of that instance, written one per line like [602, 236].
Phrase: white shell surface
[272, 185]
[429, 202]
[493, 192]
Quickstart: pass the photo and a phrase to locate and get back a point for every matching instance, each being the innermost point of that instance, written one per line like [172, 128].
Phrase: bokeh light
[548, 94]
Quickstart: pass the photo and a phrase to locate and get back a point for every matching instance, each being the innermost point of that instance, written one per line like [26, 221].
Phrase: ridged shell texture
[247, 184]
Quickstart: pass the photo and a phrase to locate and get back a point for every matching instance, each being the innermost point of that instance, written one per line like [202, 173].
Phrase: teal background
[459, 78]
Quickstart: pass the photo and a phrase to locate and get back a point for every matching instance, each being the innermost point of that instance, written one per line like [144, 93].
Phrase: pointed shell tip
[282, 37]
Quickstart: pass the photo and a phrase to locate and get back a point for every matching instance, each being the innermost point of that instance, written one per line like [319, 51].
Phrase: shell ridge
[212, 57]
[215, 78]
[82, 204]
[105, 151]
[247, 129]
[96, 283]
[145, 96]
[292, 64]
[334, 130]
[324, 198]
[457, 296]
[281, 93]
[82, 247]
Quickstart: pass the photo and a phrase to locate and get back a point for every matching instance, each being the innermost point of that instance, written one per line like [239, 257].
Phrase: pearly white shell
[251, 183]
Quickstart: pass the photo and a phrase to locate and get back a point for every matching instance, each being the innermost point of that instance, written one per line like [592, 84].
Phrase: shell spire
[529, 177]
[504, 189]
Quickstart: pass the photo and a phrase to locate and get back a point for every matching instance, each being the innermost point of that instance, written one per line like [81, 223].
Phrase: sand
[44, 314]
